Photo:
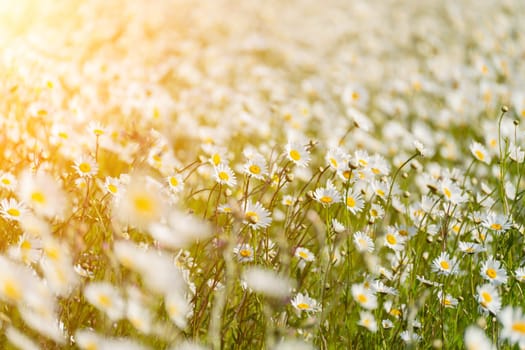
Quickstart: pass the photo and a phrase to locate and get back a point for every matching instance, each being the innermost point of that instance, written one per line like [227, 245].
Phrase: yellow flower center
[84, 167]
[326, 199]
[224, 176]
[112, 188]
[519, 327]
[350, 202]
[487, 298]
[38, 197]
[479, 155]
[25, 245]
[303, 255]
[395, 312]
[252, 217]
[491, 273]
[216, 159]
[143, 204]
[447, 192]
[380, 192]
[355, 96]
[12, 290]
[362, 298]
[173, 181]
[391, 239]
[444, 265]
[13, 212]
[6, 181]
[403, 233]
[98, 132]
[295, 155]
[303, 306]
[334, 163]
[496, 226]
[255, 169]
[245, 253]
[104, 300]
[363, 162]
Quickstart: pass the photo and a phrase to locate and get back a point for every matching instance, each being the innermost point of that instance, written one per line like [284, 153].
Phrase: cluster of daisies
[299, 176]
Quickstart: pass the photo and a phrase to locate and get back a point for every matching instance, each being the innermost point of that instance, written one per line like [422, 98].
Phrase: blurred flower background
[298, 174]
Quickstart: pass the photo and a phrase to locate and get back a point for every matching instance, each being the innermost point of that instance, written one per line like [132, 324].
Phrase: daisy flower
[480, 152]
[42, 193]
[379, 188]
[224, 175]
[488, 298]
[496, 222]
[444, 265]
[447, 300]
[256, 167]
[336, 158]
[96, 128]
[302, 302]
[363, 242]
[475, 339]
[394, 240]
[364, 296]
[327, 195]
[86, 166]
[367, 320]
[470, 247]
[11, 209]
[304, 254]
[387, 324]
[175, 182]
[409, 337]
[244, 252]
[256, 216]
[520, 274]
[8, 181]
[376, 212]
[354, 202]
[452, 192]
[267, 282]
[297, 153]
[28, 249]
[361, 158]
[516, 154]
[111, 185]
[492, 271]
[513, 322]
[105, 297]
[378, 165]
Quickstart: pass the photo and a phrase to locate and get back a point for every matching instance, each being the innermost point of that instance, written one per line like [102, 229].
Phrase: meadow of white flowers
[220, 174]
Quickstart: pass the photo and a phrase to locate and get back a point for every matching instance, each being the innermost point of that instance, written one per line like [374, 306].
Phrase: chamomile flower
[256, 167]
[337, 158]
[452, 192]
[354, 202]
[11, 209]
[520, 274]
[394, 240]
[106, 298]
[297, 153]
[256, 216]
[488, 298]
[327, 195]
[513, 322]
[475, 339]
[244, 252]
[376, 212]
[364, 296]
[8, 181]
[175, 183]
[470, 247]
[447, 300]
[444, 265]
[28, 249]
[224, 175]
[480, 152]
[387, 324]
[492, 271]
[111, 185]
[363, 242]
[367, 320]
[303, 303]
[86, 166]
[496, 222]
[96, 128]
[42, 193]
[304, 254]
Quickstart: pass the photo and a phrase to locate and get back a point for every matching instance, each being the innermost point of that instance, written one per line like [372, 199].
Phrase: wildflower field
[302, 174]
